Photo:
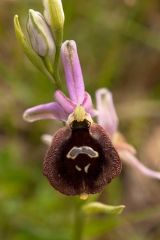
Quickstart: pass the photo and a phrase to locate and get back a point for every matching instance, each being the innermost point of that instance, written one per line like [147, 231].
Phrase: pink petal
[45, 111]
[73, 71]
[131, 160]
[107, 116]
[65, 102]
[88, 105]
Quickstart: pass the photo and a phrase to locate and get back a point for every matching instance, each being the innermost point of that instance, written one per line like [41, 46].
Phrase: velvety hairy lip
[84, 174]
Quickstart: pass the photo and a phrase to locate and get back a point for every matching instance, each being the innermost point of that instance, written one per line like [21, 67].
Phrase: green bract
[96, 207]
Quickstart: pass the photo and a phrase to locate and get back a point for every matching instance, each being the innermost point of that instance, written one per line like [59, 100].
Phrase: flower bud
[40, 35]
[54, 15]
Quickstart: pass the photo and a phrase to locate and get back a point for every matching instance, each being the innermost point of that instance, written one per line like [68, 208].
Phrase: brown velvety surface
[61, 171]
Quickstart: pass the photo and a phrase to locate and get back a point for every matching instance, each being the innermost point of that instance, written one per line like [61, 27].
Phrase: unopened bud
[54, 15]
[40, 35]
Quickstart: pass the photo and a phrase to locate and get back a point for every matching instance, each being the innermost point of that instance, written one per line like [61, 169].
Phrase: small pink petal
[107, 116]
[45, 111]
[131, 160]
[65, 102]
[73, 71]
[88, 105]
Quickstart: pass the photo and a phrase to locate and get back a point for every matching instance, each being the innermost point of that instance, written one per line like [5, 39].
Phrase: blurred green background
[119, 48]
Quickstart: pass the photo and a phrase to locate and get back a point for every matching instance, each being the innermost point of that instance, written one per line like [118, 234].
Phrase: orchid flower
[108, 119]
[81, 158]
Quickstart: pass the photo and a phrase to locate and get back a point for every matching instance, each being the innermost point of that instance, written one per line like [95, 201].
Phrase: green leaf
[33, 57]
[96, 207]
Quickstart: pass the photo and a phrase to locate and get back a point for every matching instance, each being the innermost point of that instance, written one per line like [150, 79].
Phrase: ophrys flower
[81, 159]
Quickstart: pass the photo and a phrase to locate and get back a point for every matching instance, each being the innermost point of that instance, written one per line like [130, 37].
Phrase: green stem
[48, 64]
[49, 75]
[78, 222]
[52, 71]
[56, 68]
[48, 71]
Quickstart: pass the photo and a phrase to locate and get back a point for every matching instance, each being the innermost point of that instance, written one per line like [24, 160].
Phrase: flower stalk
[56, 68]
[79, 221]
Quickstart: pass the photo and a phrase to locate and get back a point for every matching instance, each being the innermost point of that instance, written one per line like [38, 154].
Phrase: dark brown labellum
[81, 159]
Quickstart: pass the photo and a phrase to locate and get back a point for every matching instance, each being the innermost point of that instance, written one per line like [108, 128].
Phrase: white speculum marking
[75, 151]
[86, 168]
[78, 168]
